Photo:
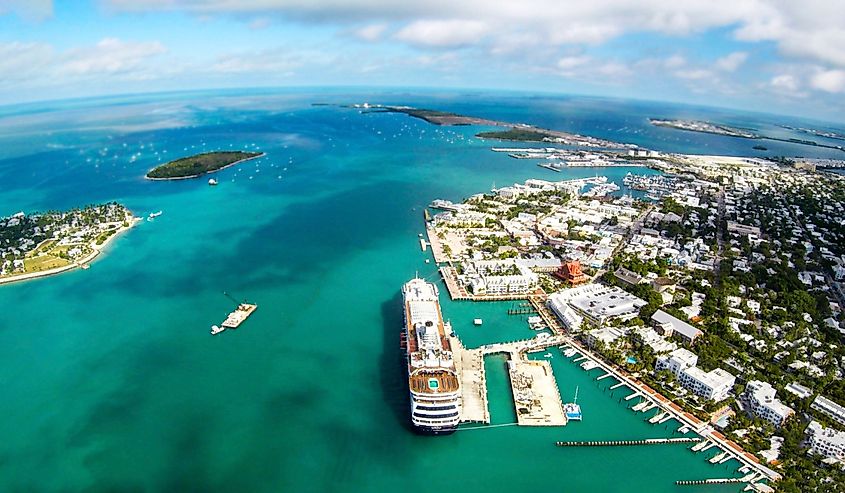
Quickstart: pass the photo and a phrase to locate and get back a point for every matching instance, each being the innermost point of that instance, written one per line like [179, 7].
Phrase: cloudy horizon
[771, 56]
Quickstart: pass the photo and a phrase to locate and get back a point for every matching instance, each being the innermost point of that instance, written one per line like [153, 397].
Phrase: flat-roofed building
[670, 325]
[761, 399]
[677, 361]
[714, 384]
[596, 303]
[832, 409]
[826, 442]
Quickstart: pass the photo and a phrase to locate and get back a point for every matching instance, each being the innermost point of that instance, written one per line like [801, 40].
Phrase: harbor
[637, 399]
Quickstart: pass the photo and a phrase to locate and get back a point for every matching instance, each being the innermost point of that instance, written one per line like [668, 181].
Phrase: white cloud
[810, 29]
[371, 32]
[28, 9]
[675, 61]
[571, 62]
[785, 82]
[109, 56]
[829, 81]
[280, 62]
[731, 62]
[22, 61]
[694, 74]
[442, 33]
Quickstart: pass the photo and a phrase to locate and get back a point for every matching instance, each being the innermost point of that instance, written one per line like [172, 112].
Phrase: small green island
[518, 134]
[200, 164]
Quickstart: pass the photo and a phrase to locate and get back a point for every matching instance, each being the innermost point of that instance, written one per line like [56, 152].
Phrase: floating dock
[235, 319]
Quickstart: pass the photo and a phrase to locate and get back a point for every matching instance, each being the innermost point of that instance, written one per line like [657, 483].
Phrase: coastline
[201, 174]
[75, 265]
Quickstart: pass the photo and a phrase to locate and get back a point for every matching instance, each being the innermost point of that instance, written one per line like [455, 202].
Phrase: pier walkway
[473, 387]
[469, 364]
[616, 443]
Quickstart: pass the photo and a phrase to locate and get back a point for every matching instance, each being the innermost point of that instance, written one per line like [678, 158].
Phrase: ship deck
[433, 382]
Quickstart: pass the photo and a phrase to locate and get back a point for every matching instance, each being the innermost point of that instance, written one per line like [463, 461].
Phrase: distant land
[517, 132]
[819, 133]
[435, 117]
[200, 164]
[717, 129]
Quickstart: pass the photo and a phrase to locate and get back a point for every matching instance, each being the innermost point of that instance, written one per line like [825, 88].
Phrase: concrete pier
[604, 376]
[536, 397]
[469, 364]
[620, 384]
[473, 387]
[635, 394]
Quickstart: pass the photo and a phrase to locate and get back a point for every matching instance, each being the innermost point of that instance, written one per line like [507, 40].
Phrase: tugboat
[572, 409]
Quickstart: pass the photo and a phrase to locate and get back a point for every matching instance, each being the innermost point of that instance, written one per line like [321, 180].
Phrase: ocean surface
[110, 379]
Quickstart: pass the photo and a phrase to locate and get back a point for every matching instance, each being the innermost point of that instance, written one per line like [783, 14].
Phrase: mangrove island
[200, 164]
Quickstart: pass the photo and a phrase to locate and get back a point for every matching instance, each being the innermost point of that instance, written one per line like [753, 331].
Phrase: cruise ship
[432, 379]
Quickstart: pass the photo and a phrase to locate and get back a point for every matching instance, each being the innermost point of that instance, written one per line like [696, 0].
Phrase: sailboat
[572, 409]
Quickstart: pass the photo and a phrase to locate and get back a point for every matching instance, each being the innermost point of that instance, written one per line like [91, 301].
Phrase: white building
[595, 303]
[714, 385]
[497, 277]
[832, 409]
[826, 442]
[670, 325]
[762, 400]
[677, 361]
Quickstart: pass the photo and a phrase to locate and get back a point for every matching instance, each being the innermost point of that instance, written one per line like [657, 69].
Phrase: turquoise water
[111, 381]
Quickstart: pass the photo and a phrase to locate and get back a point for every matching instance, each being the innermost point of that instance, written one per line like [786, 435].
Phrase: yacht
[572, 409]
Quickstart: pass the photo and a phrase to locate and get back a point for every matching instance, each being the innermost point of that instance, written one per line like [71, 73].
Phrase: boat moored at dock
[572, 409]
[433, 381]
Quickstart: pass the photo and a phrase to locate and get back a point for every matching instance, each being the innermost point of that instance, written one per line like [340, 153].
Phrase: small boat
[572, 409]
[477, 321]
[154, 215]
[427, 261]
[547, 355]
[212, 182]
[216, 329]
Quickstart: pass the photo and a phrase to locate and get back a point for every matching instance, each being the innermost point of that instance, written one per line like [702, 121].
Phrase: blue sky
[764, 55]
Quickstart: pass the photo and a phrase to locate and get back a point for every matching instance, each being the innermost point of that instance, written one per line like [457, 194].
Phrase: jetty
[618, 443]
[469, 365]
[536, 397]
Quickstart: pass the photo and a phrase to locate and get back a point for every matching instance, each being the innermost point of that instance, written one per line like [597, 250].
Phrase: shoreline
[28, 276]
[201, 174]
